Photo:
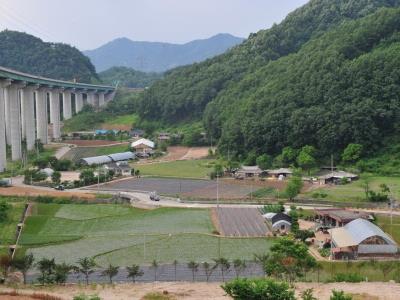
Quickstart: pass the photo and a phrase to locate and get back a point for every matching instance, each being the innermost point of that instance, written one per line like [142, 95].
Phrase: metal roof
[122, 156]
[97, 160]
[6, 73]
[146, 142]
[280, 171]
[357, 231]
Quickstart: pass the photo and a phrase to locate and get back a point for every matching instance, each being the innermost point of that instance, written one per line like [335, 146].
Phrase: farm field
[75, 154]
[182, 168]
[124, 235]
[8, 228]
[354, 191]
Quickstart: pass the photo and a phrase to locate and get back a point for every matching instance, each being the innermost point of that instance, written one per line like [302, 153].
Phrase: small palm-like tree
[261, 260]
[175, 263]
[208, 270]
[154, 266]
[61, 272]
[86, 267]
[110, 272]
[239, 265]
[194, 267]
[134, 271]
[46, 268]
[23, 264]
[223, 265]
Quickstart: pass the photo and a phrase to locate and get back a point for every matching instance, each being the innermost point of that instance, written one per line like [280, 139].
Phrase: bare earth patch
[88, 143]
[200, 291]
[33, 192]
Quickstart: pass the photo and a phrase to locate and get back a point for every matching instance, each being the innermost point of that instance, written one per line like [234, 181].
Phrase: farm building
[164, 136]
[248, 171]
[281, 173]
[338, 217]
[137, 133]
[335, 177]
[120, 168]
[280, 222]
[143, 145]
[105, 159]
[361, 238]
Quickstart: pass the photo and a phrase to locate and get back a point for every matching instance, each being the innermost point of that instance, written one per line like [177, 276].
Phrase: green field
[8, 228]
[124, 235]
[75, 154]
[183, 168]
[122, 120]
[354, 191]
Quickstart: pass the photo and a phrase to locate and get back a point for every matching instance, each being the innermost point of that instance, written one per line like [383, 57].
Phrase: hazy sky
[88, 24]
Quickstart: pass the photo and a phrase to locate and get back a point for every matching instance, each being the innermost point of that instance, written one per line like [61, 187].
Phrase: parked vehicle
[5, 182]
[59, 187]
[154, 196]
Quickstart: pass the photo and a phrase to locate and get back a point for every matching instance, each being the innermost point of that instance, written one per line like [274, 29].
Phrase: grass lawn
[8, 228]
[111, 149]
[123, 120]
[75, 154]
[354, 191]
[181, 169]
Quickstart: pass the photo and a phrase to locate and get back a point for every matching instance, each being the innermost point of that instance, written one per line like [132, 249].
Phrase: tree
[23, 264]
[46, 268]
[365, 182]
[386, 267]
[86, 267]
[175, 263]
[264, 162]
[261, 259]
[293, 187]
[154, 266]
[134, 271]
[306, 159]
[266, 289]
[340, 295]
[61, 272]
[239, 265]
[56, 177]
[87, 176]
[295, 220]
[288, 156]
[352, 153]
[223, 265]
[110, 272]
[194, 267]
[308, 295]
[208, 270]
[5, 264]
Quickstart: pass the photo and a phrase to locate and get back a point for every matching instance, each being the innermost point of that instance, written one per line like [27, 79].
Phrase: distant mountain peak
[158, 56]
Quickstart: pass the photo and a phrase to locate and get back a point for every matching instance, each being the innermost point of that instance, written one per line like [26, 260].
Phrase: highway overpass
[25, 101]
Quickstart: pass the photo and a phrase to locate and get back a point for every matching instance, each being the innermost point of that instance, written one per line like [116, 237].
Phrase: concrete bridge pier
[41, 115]
[3, 144]
[15, 120]
[28, 115]
[67, 105]
[55, 113]
[78, 101]
[101, 99]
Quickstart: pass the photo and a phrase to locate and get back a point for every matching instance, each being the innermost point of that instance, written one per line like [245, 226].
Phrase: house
[281, 173]
[143, 145]
[361, 238]
[335, 177]
[163, 136]
[121, 168]
[137, 133]
[279, 222]
[338, 217]
[248, 171]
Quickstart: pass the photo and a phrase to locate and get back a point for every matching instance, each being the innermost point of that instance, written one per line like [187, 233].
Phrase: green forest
[128, 77]
[327, 76]
[29, 54]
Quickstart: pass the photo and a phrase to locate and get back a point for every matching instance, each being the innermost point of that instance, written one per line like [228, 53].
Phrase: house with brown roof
[338, 217]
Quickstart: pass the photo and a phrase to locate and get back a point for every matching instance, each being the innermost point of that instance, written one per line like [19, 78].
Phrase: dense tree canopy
[128, 77]
[26, 53]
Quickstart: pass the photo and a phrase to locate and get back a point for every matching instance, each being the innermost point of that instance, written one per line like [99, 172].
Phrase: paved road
[241, 222]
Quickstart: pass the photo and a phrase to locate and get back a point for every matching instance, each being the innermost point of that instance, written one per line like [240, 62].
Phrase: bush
[266, 289]
[86, 297]
[340, 295]
[4, 209]
[274, 208]
[348, 277]
[325, 252]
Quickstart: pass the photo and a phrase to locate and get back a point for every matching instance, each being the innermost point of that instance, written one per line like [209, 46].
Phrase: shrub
[340, 295]
[325, 252]
[266, 289]
[348, 277]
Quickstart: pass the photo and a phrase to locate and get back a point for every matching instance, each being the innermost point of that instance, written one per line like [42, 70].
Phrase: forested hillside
[318, 78]
[128, 77]
[26, 53]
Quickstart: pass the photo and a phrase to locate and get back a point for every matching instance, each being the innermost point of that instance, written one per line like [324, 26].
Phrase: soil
[200, 291]
[33, 192]
[88, 143]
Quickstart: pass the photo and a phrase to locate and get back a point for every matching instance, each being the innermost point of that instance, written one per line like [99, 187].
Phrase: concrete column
[41, 115]
[3, 147]
[55, 113]
[7, 116]
[67, 107]
[78, 102]
[90, 98]
[101, 99]
[28, 116]
[15, 121]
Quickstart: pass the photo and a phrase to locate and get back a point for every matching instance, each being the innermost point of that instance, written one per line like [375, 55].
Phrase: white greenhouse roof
[355, 232]
[146, 142]
[122, 156]
[97, 160]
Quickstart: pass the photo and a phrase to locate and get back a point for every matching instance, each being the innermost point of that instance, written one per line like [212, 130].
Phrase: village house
[248, 171]
[335, 177]
[280, 174]
[121, 168]
[164, 137]
[143, 146]
[338, 217]
[137, 133]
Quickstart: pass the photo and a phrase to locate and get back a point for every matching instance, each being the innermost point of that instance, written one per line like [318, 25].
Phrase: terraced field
[123, 235]
[8, 228]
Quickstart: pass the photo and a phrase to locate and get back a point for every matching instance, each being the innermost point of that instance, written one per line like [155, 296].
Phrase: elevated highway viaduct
[32, 108]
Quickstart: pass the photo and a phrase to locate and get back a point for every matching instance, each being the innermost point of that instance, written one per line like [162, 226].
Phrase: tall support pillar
[55, 113]
[41, 116]
[7, 116]
[101, 99]
[78, 101]
[67, 107]
[90, 98]
[28, 115]
[15, 121]
[3, 147]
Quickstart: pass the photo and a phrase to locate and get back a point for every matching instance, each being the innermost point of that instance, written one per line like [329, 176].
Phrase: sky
[88, 24]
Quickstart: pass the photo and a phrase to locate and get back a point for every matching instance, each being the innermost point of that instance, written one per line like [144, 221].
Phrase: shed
[361, 238]
[280, 173]
[326, 177]
[249, 171]
[122, 156]
[281, 222]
